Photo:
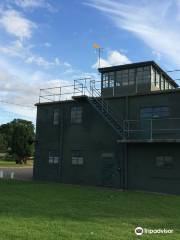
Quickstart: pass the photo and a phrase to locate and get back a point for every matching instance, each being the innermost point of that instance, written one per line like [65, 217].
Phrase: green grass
[53, 211]
[4, 163]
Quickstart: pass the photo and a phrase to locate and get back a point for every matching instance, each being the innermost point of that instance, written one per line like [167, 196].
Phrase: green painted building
[121, 132]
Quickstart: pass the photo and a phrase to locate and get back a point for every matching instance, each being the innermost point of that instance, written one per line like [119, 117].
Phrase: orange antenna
[99, 49]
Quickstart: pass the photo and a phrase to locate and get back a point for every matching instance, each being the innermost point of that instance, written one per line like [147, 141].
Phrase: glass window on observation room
[166, 84]
[105, 80]
[146, 74]
[76, 114]
[139, 75]
[53, 158]
[125, 77]
[154, 112]
[153, 77]
[143, 74]
[157, 80]
[171, 86]
[118, 78]
[111, 79]
[56, 117]
[164, 162]
[131, 76]
[162, 82]
[77, 158]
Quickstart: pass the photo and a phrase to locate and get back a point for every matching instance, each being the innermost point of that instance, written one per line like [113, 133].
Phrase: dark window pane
[164, 161]
[56, 117]
[76, 114]
[77, 158]
[146, 112]
[154, 112]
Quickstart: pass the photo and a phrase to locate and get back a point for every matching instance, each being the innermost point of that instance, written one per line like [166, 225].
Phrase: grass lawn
[53, 211]
[4, 163]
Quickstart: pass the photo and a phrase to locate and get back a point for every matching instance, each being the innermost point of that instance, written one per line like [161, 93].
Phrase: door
[110, 171]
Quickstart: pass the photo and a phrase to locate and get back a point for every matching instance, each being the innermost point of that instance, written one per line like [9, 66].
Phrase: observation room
[130, 79]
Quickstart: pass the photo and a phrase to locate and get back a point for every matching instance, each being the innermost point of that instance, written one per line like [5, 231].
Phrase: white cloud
[33, 4]
[15, 49]
[24, 89]
[151, 21]
[42, 62]
[47, 44]
[29, 3]
[21, 87]
[16, 24]
[157, 55]
[24, 52]
[113, 58]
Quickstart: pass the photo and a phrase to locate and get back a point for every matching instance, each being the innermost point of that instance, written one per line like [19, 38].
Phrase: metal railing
[92, 89]
[161, 128]
[80, 87]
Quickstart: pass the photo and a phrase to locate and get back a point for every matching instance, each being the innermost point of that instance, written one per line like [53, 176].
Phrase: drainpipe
[61, 143]
[125, 148]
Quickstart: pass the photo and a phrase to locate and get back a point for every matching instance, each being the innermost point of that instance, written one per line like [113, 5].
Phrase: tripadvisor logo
[139, 231]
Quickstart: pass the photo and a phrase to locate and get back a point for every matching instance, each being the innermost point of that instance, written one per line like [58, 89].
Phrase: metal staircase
[96, 100]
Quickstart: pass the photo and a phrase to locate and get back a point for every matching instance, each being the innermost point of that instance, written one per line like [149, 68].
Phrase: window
[124, 77]
[166, 84]
[76, 114]
[108, 79]
[153, 77]
[131, 76]
[56, 117]
[105, 80]
[146, 112]
[111, 79]
[154, 112]
[118, 78]
[164, 162]
[162, 82]
[53, 158]
[157, 80]
[160, 112]
[143, 74]
[77, 158]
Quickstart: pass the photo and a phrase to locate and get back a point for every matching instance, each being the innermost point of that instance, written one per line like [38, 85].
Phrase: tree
[3, 143]
[19, 135]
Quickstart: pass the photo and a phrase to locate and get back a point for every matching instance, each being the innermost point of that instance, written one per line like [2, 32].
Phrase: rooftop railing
[82, 86]
[161, 128]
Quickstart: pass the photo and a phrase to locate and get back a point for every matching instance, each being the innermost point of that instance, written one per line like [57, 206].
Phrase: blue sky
[48, 43]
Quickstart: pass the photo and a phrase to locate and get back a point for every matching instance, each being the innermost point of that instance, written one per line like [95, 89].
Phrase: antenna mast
[99, 49]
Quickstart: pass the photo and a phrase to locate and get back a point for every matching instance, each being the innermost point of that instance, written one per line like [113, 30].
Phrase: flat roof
[83, 97]
[139, 64]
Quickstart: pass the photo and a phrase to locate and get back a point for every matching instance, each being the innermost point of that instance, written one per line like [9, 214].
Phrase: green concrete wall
[96, 139]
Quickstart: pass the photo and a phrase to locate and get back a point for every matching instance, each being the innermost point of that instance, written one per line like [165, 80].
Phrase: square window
[154, 112]
[77, 158]
[105, 80]
[118, 78]
[146, 112]
[53, 158]
[76, 114]
[56, 117]
[164, 161]
[56, 160]
[50, 159]
[159, 161]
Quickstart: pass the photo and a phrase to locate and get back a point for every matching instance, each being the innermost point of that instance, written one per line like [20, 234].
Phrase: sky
[48, 43]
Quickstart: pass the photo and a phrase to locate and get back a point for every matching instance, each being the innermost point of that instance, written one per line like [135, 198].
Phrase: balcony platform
[148, 141]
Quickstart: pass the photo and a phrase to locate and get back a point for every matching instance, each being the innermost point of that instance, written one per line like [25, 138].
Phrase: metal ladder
[96, 100]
